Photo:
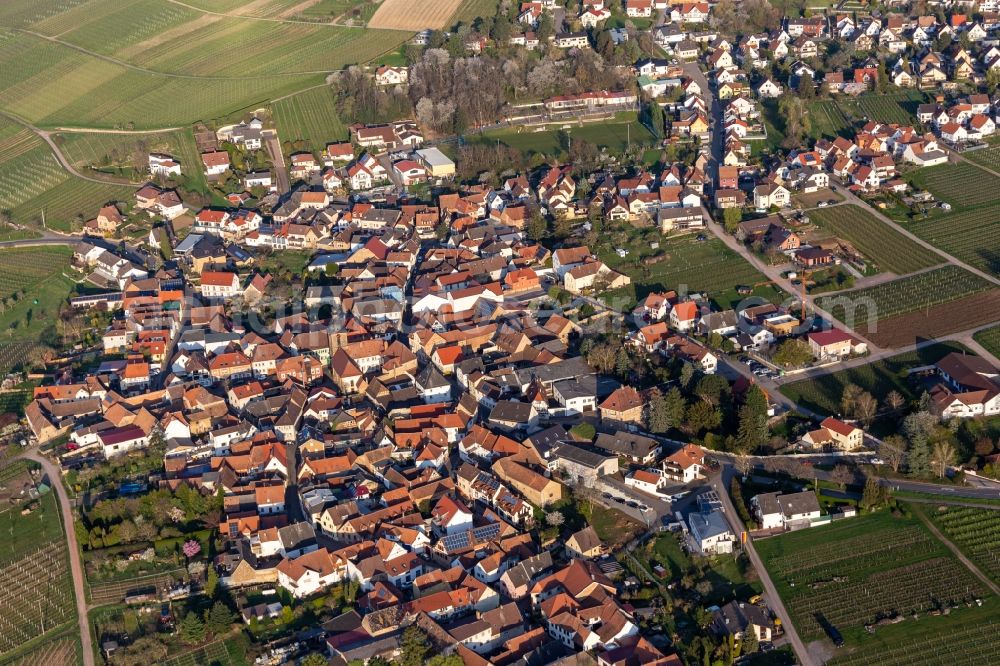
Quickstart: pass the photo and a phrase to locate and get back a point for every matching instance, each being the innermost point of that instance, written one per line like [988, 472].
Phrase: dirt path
[63, 162]
[954, 549]
[76, 567]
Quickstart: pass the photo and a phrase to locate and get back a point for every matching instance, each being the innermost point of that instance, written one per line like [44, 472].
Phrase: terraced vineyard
[856, 571]
[886, 247]
[977, 534]
[311, 117]
[972, 236]
[961, 185]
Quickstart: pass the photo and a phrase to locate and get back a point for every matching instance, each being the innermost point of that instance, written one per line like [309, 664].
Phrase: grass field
[310, 116]
[879, 378]
[886, 247]
[962, 185]
[470, 9]
[990, 339]
[116, 153]
[972, 235]
[857, 571]
[35, 277]
[615, 136]
[685, 264]
[828, 120]
[976, 532]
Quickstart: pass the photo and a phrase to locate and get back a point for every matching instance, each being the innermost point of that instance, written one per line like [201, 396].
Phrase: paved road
[76, 567]
[273, 145]
[938, 489]
[771, 595]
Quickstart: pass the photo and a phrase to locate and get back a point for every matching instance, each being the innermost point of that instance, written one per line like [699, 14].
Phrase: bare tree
[942, 456]
[894, 401]
[866, 407]
[742, 463]
[892, 450]
[842, 475]
[848, 399]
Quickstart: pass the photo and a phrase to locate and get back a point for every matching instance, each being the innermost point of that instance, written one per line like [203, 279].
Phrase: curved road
[76, 566]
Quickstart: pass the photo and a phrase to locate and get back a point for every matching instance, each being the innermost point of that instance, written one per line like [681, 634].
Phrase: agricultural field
[990, 339]
[403, 15]
[310, 117]
[828, 120]
[861, 570]
[883, 245]
[685, 264]
[962, 185]
[976, 532]
[125, 155]
[958, 639]
[879, 378]
[973, 236]
[33, 183]
[61, 647]
[115, 592]
[36, 592]
[987, 157]
[930, 304]
[470, 9]
[898, 106]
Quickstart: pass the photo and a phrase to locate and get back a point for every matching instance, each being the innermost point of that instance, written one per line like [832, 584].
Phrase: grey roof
[796, 503]
[707, 525]
[737, 616]
[580, 456]
[553, 372]
[297, 535]
[548, 439]
[511, 411]
[430, 378]
[626, 443]
[582, 387]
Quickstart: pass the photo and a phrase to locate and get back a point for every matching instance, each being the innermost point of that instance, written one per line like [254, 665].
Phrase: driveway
[76, 566]
[273, 145]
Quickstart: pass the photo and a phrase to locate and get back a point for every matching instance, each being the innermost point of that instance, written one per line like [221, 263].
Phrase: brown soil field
[413, 15]
[940, 320]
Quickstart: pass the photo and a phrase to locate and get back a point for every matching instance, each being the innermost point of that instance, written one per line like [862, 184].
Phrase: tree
[554, 518]
[712, 388]
[316, 659]
[536, 226]
[942, 457]
[219, 619]
[192, 629]
[849, 399]
[702, 416]
[865, 408]
[874, 494]
[892, 450]
[666, 411]
[894, 401]
[191, 548]
[842, 475]
[792, 353]
[752, 431]
[414, 646]
[731, 218]
[441, 660]
[212, 582]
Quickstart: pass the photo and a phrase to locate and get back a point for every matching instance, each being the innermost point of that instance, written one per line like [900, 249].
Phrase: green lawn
[823, 393]
[309, 117]
[827, 120]
[680, 263]
[615, 136]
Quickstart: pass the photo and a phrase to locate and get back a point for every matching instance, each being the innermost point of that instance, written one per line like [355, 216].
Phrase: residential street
[76, 566]
[771, 596]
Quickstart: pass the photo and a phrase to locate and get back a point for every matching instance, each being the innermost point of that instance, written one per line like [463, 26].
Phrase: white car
[822, 204]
